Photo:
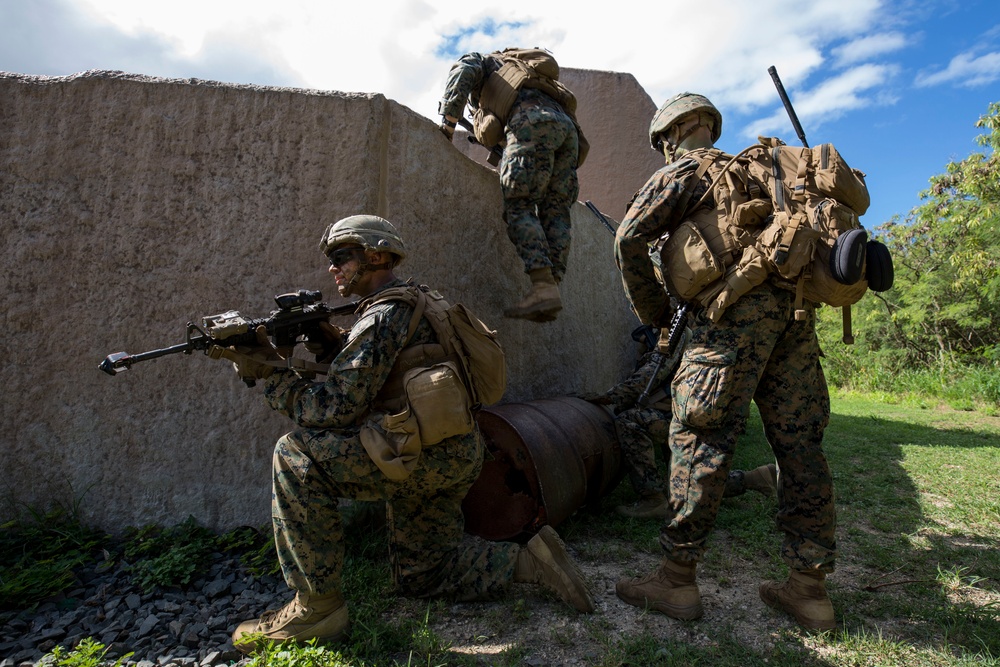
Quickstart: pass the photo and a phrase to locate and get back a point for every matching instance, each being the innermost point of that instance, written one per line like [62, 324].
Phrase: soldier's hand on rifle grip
[329, 345]
[267, 349]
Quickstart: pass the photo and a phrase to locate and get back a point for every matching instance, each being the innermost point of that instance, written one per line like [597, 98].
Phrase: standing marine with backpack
[757, 343]
[519, 104]
[392, 421]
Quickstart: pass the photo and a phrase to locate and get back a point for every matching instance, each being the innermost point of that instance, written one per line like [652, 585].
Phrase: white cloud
[866, 48]
[827, 101]
[965, 69]
[403, 48]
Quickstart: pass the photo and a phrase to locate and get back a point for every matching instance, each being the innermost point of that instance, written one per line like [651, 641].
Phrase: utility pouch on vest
[689, 265]
[489, 130]
[437, 407]
[393, 442]
[439, 402]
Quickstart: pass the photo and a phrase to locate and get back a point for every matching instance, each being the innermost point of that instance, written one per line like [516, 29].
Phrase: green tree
[945, 303]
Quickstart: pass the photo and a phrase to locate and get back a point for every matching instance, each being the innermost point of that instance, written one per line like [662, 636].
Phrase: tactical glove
[251, 363]
[329, 344]
[447, 128]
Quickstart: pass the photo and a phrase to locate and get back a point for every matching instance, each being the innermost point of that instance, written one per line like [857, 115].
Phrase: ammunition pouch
[489, 129]
[422, 402]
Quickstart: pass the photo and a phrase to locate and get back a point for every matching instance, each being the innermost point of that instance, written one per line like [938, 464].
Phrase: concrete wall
[132, 205]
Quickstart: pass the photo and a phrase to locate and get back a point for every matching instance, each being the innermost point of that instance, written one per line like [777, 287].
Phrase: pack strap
[680, 211]
[725, 168]
[418, 312]
[848, 334]
[779, 184]
[799, 189]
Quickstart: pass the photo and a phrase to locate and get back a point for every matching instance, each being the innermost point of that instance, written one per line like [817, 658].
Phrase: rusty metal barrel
[546, 459]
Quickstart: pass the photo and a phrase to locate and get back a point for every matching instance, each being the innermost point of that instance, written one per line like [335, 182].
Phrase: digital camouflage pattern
[324, 460]
[538, 170]
[642, 430]
[675, 109]
[650, 214]
[756, 351]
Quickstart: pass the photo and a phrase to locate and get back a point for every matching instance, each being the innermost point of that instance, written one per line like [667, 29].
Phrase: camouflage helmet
[676, 108]
[368, 231]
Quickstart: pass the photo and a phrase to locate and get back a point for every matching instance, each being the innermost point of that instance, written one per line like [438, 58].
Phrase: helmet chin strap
[672, 150]
[366, 267]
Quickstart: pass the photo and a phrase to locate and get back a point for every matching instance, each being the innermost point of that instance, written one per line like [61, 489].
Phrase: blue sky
[896, 85]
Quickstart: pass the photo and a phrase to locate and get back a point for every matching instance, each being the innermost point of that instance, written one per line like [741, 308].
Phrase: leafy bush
[166, 557]
[88, 653]
[38, 556]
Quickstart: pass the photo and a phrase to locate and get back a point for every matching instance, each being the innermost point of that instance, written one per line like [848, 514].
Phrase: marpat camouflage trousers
[640, 431]
[539, 183]
[429, 551]
[757, 351]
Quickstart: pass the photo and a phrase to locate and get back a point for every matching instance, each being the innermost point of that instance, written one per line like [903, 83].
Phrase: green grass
[918, 580]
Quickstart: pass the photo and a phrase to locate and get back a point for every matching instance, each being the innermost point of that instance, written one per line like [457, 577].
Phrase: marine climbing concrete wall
[133, 205]
[614, 112]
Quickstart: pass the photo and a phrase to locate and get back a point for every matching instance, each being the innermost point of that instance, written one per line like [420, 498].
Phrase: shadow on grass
[908, 575]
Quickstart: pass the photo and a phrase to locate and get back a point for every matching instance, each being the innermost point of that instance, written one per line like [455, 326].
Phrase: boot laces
[279, 617]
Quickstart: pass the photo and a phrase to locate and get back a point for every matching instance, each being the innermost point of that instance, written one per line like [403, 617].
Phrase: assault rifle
[296, 320]
[677, 324]
[647, 333]
[495, 151]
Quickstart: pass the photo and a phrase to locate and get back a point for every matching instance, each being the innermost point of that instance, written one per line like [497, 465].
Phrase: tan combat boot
[323, 617]
[654, 506]
[671, 589]
[763, 480]
[542, 302]
[804, 597]
[544, 561]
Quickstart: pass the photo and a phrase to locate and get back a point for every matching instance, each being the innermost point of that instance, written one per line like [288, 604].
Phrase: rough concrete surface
[132, 205]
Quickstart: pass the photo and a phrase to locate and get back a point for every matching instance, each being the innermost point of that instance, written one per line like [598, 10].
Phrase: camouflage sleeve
[646, 220]
[625, 394]
[355, 377]
[464, 79]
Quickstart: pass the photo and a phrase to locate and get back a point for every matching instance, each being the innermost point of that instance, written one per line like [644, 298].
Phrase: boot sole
[544, 311]
[688, 613]
[552, 551]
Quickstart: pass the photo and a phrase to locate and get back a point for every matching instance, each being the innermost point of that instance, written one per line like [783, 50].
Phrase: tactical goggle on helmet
[369, 231]
[676, 108]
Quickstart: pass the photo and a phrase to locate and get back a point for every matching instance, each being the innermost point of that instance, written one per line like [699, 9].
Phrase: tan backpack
[462, 334]
[433, 390]
[817, 201]
[522, 68]
[780, 212]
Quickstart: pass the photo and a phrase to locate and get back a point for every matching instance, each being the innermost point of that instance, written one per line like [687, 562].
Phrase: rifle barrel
[600, 216]
[115, 363]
